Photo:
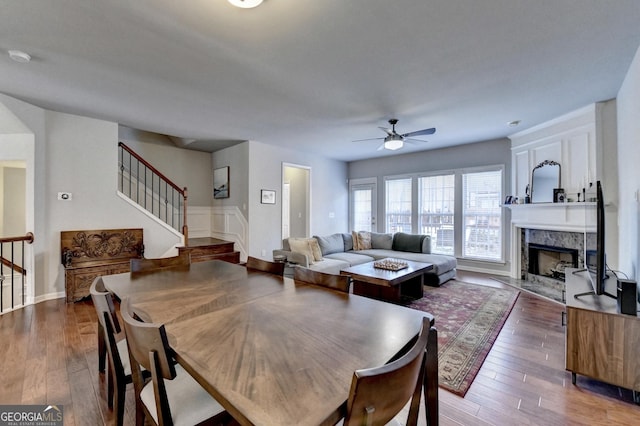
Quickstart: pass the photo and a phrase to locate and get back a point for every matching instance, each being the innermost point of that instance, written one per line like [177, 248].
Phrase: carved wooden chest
[87, 254]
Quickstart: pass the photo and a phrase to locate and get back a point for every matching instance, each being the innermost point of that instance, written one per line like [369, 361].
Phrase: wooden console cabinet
[600, 342]
[89, 254]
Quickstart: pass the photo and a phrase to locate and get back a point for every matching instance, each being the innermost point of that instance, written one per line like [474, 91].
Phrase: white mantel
[568, 217]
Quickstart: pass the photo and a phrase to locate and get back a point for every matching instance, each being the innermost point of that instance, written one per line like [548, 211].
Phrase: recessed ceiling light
[19, 56]
[245, 4]
[513, 123]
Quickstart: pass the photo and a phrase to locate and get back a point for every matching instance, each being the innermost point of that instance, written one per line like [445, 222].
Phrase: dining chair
[309, 276]
[276, 268]
[172, 396]
[112, 345]
[378, 394]
[140, 265]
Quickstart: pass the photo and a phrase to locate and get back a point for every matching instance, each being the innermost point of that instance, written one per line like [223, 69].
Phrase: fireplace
[551, 261]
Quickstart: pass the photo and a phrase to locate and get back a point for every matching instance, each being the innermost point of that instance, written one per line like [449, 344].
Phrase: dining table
[270, 350]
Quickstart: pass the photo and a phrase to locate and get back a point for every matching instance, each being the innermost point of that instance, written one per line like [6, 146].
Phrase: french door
[363, 205]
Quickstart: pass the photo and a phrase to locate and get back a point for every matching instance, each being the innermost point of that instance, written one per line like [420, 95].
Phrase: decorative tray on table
[390, 264]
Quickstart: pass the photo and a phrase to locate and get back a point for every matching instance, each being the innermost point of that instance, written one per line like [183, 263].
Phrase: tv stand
[593, 293]
[600, 342]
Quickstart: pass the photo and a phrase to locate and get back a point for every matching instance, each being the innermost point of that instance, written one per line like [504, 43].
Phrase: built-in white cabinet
[571, 140]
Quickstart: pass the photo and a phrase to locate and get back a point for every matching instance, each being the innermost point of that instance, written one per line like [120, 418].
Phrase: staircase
[152, 190]
[202, 249]
[166, 201]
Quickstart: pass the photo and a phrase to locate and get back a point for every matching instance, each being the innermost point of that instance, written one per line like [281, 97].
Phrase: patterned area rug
[468, 318]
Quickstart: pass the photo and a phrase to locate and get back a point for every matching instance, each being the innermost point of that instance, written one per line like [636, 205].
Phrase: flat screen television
[595, 257]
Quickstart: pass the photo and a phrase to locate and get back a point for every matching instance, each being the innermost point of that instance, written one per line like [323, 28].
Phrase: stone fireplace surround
[552, 224]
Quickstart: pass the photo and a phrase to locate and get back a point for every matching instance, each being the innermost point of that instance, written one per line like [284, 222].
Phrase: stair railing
[12, 257]
[152, 190]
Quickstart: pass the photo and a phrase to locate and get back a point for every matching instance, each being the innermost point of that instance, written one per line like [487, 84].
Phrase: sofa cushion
[381, 241]
[426, 244]
[348, 241]
[408, 242]
[441, 263]
[333, 243]
[352, 258]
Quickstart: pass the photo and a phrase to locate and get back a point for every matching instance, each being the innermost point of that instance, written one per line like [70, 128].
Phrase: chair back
[309, 276]
[145, 339]
[103, 303]
[378, 394]
[276, 268]
[140, 265]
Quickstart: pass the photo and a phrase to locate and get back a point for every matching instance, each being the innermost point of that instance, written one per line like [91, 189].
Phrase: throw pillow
[301, 245]
[315, 249]
[356, 243]
[364, 240]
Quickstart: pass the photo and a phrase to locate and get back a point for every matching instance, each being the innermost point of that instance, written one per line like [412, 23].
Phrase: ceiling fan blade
[420, 132]
[387, 131]
[365, 140]
[413, 141]
[381, 147]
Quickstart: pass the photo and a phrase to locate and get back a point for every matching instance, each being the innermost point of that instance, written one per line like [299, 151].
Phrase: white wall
[329, 195]
[78, 155]
[185, 167]
[628, 103]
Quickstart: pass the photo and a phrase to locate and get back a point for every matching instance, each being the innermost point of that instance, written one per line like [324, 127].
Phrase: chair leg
[110, 379]
[118, 409]
[431, 379]
[102, 349]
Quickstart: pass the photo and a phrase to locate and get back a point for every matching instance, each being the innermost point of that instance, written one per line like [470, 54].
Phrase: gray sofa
[337, 253]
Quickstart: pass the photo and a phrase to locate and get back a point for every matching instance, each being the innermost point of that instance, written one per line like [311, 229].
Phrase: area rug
[468, 318]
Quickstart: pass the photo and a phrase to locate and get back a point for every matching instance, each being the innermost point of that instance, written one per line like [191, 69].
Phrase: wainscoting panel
[228, 223]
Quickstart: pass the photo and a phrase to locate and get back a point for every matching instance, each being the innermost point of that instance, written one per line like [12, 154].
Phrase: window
[436, 209]
[482, 215]
[398, 205]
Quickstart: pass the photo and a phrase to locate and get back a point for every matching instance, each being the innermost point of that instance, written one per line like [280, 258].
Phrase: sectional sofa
[338, 251]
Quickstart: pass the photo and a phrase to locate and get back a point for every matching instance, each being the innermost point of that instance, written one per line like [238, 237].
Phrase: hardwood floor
[49, 355]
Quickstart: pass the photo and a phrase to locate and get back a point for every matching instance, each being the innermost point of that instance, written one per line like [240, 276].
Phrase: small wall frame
[221, 183]
[267, 196]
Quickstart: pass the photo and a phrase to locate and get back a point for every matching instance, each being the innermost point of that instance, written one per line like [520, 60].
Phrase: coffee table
[388, 285]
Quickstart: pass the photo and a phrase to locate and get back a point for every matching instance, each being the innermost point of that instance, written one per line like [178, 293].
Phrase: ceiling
[316, 75]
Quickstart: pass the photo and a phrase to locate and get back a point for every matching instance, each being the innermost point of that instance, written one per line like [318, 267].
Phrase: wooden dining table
[271, 351]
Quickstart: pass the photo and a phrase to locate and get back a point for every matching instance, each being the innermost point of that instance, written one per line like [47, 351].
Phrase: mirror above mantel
[545, 177]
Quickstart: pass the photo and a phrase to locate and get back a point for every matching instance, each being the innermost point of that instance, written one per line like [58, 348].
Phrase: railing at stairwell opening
[152, 190]
[12, 271]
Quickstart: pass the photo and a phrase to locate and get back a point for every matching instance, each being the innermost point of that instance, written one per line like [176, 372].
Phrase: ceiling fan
[395, 140]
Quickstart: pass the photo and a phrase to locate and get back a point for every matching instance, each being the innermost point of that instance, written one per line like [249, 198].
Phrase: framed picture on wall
[267, 196]
[221, 182]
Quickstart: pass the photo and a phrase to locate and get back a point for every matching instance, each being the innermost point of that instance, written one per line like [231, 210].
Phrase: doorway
[17, 189]
[363, 204]
[296, 200]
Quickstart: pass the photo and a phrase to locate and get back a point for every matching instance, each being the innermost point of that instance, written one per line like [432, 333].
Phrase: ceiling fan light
[393, 144]
[245, 4]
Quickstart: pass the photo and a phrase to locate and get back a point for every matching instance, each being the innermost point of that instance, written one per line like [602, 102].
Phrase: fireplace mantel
[571, 217]
[568, 217]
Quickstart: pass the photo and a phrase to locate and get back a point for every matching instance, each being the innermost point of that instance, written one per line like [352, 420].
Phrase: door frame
[286, 165]
[371, 183]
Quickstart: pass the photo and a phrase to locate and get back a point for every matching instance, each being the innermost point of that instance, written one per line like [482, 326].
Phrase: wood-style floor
[48, 354]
